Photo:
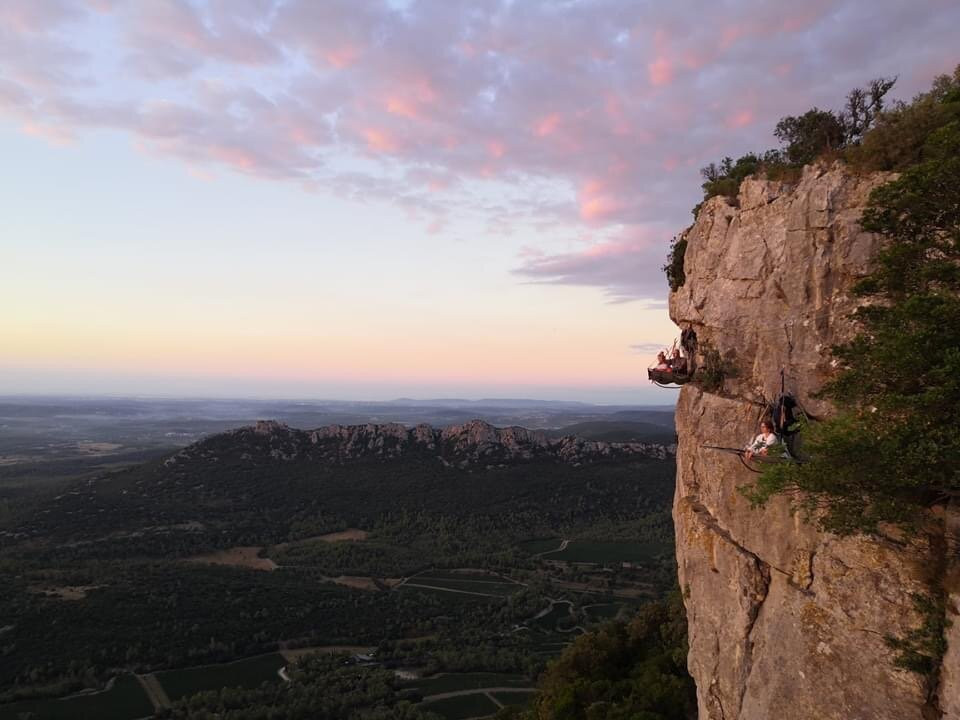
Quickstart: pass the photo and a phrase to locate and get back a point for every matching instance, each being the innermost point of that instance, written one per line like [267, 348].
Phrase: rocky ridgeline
[475, 443]
[785, 621]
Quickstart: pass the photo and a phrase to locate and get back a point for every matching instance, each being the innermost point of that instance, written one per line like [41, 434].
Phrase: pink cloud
[628, 267]
[597, 201]
[739, 119]
[333, 33]
[496, 148]
[170, 37]
[403, 107]
[238, 158]
[694, 60]
[660, 69]
[32, 16]
[731, 34]
[56, 134]
[433, 181]
[380, 140]
[343, 56]
[613, 107]
[547, 125]
[660, 72]
[411, 100]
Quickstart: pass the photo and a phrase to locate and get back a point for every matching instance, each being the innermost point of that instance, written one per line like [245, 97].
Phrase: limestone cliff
[785, 621]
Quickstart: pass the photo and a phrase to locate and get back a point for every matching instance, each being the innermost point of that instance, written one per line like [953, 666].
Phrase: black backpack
[783, 414]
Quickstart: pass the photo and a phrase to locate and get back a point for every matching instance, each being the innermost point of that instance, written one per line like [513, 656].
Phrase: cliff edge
[785, 621]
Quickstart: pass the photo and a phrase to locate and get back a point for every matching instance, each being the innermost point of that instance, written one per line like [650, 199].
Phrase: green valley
[441, 574]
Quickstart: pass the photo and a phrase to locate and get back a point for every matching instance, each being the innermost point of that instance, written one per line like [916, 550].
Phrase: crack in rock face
[785, 622]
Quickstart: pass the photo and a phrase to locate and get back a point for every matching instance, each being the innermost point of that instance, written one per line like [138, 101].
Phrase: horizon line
[312, 400]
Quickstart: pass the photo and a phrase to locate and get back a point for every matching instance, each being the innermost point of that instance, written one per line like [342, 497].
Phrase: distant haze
[29, 382]
[38, 428]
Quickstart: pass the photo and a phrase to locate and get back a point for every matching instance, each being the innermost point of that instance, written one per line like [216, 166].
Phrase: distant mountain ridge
[617, 431]
[252, 485]
[472, 443]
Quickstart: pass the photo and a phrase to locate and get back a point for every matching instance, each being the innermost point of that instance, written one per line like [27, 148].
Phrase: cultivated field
[242, 673]
[479, 585]
[593, 551]
[455, 682]
[344, 535]
[247, 557]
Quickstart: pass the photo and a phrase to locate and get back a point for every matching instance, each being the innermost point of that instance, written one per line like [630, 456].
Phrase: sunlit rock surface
[785, 622]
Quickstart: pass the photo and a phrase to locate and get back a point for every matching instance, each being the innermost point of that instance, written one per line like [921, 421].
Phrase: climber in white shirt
[762, 442]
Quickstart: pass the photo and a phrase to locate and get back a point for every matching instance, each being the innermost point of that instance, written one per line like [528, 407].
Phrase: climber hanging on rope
[761, 449]
[678, 363]
[762, 443]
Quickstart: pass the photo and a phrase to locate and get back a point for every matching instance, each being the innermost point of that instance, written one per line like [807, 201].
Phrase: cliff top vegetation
[865, 134]
[892, 451]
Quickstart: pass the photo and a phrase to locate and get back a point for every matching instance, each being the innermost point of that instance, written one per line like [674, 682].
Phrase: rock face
[785, 622]
[475, 443]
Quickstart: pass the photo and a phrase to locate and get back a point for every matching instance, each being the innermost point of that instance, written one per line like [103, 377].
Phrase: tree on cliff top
[899, 135]
[894, 449]
[806, 136]
[803, 139]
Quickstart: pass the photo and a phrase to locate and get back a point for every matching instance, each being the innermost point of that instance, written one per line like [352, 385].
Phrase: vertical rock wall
[785, 621]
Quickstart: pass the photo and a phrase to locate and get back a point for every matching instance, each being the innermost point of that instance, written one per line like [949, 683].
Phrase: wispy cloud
[648, 348]
[627, 267]
[615, 104]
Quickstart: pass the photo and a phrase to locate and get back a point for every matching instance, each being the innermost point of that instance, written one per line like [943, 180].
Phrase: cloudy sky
[338, 198]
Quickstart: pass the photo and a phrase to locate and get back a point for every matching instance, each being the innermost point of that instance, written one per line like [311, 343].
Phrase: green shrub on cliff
[714, 368]
[806, 136]
[724, 178]
[899, 136]
[676, 276]
[894, 449]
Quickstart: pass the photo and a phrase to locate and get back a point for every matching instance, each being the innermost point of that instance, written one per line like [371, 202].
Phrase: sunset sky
[367, 200]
